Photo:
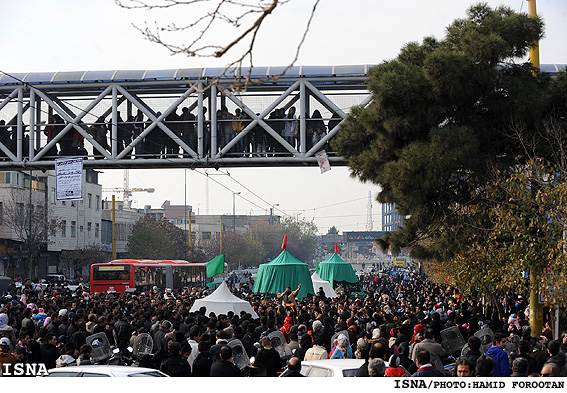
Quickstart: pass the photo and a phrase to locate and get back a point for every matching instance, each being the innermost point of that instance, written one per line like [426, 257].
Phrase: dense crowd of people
[398, 327]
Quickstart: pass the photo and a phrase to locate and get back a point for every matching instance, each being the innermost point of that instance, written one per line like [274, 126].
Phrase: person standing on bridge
[290, 127]
[137, 123]
[227, 131]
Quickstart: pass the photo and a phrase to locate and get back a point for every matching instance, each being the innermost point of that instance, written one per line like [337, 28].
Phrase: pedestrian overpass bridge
[174, 117]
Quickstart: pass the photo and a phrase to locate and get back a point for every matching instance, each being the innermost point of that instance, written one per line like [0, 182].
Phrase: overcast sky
[73, 35]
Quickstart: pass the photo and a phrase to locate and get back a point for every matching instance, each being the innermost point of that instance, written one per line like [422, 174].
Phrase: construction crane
[126, 190]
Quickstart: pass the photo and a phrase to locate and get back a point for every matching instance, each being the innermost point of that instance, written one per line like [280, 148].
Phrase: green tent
[284, 271]
[335, 269]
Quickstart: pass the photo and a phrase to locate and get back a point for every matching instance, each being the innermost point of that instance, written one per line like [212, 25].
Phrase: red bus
[141, 275]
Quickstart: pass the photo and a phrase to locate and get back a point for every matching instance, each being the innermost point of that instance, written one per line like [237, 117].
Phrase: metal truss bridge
[174, 118]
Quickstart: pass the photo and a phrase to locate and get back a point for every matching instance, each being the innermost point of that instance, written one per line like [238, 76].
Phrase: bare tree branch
[246, 16]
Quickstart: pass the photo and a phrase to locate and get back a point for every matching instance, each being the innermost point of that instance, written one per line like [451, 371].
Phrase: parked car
[4, 283]
[331, 367]
[43, 282]
[104, 371]
[73, 284]
[55, 278]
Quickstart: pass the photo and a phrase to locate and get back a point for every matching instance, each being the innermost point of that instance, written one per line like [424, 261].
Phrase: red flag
[284, 244]
[336, 248]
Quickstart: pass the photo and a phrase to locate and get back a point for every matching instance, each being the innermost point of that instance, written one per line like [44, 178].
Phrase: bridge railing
[175, 123]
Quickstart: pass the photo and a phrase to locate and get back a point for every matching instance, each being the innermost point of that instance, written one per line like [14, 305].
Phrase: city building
[124, 218]
[207, 227]
[22, 227]
[391, 219]
[85, 224]
[74, 225]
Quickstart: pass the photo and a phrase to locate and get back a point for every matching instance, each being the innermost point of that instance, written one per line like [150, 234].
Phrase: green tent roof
[284, 271]
[336, 269]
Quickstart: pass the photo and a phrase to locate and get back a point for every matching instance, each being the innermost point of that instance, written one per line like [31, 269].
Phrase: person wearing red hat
[417, 329]
[286, 328]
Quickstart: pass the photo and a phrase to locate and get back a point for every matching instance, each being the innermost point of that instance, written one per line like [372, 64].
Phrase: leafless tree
[244, 17]
[76, 261]
[28, 222]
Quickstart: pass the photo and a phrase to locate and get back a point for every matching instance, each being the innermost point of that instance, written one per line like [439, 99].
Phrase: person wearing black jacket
[123, 331]
[224, 367]
[378, 350]
[175, 365]
[405, 361]
[49, 351]
[222, 339]
[248, 341]
[53, 327]
[34, 347]
[80, 336]
[202, 365]
[473, 354]
[327, 332]
[269, 357]
[524, 349]
[293, 368]
[305, 343]
[556, 356]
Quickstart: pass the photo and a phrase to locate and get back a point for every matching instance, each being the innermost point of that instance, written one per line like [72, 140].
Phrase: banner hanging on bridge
[323, 161]
[68, 179]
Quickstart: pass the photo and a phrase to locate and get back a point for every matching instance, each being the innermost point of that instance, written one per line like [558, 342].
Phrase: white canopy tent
[221, 301]
[318, 282]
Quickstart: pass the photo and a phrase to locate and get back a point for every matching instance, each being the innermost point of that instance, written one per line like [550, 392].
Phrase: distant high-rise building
[391, 219]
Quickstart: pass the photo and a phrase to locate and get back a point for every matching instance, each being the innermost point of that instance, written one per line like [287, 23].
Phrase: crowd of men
[396, 327]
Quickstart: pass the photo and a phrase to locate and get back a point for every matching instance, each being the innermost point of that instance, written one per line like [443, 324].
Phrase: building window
[90, 200]
[98, 202]
[53, 196]
[96, 230]
[19, 213]
[206, 235]
[81, 229]
[73, 228]
[64, 228]
[89, 227]
[53, 227]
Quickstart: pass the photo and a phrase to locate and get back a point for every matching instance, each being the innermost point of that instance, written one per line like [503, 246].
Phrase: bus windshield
[109, 273]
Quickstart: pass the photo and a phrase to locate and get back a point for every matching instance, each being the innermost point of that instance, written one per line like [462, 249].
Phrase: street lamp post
[234, 211]
[272, 213]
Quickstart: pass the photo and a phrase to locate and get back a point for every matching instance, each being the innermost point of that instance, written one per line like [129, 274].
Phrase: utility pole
[113, 227]
[220, 236]
[536, 308]
[189, 234]
[369, 212]
[30, 259]
[185, 208]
